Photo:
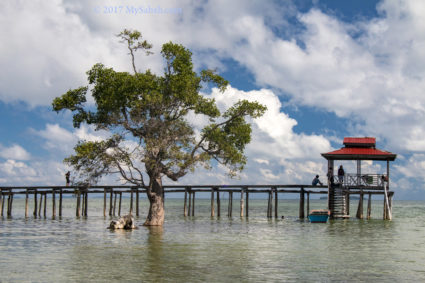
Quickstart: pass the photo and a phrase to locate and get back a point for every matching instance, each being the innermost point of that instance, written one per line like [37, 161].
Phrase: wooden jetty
[38, 195]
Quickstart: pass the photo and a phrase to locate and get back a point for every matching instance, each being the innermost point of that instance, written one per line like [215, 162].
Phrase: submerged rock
[124, 222]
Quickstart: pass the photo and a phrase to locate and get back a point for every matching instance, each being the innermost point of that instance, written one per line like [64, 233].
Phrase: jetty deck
[38, 195]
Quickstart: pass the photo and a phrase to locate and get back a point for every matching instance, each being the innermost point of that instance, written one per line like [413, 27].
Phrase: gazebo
[339, 190]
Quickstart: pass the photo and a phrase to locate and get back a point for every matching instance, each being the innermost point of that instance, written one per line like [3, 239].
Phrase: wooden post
[115, 201]
[60, 203]
[35, 203]
[275, 203]
[111, 195]
[369, 206]
[212, 203]
[1, 202]
[185, 203]
[301, 210]
[119, 206]
[230, 205]
[242, 203]
[247, 203]
[26, 203]
[83, 202]
[385, 209]
[41, 202]
[53, 203]
[193, 204]
[347, 203]
[359, 214]
[137, 201]
[269, 206]
[218, 203]
[45, 206]
[9, 204]
[308, 203]
[87, 202]
[104, 202]
[131, 201]
[190, 202]
[77, 211]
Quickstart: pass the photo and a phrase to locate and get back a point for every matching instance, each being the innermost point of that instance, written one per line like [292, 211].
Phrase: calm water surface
[205, 249]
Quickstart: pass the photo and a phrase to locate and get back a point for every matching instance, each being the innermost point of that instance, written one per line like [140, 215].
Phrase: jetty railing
[112, 194]
[377, 181]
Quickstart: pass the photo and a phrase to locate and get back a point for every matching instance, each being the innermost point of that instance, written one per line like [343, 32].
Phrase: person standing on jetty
[316, 181]
[341, 174]
[67, 175]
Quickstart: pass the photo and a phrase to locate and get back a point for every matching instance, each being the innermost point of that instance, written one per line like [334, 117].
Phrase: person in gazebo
[341, 174]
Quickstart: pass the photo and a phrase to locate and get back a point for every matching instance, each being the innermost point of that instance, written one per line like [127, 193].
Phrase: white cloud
[14, 152]
[14, 169]
[58, 138]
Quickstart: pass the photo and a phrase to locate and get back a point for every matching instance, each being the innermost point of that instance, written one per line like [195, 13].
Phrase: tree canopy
[147, 116]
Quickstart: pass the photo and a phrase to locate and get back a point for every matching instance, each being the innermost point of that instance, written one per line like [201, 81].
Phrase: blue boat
[319, 216]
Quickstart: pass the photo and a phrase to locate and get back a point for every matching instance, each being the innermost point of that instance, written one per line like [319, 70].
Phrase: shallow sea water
[205, 249]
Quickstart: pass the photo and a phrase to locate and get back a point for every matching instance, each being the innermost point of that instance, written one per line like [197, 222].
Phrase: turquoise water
[205, 249]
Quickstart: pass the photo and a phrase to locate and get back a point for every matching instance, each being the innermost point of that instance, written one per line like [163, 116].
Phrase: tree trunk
[155, 194]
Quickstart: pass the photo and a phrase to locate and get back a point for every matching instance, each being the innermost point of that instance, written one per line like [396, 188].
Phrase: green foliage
[148, 116]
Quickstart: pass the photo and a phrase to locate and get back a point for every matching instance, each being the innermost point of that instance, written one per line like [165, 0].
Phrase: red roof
[359, 149]
[366, 141]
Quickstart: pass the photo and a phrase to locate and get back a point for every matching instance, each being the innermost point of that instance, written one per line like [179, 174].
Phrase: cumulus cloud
[14, 152]
[276, 153]
[58, 138]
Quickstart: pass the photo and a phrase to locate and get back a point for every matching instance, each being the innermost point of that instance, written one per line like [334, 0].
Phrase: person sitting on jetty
[316, 181]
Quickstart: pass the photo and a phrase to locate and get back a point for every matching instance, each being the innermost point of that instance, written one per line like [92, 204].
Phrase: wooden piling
[110, 201]
[53, 203]
[45, 204]
[347, 203]
[308, 203]
[268, 204]
[40, 204]
[190, 202]
[104, 202]
[193, 204]
[212, 203]
[1, 202]
[230, 205]
[275, 202]
[83, 203]
[218, 203]
[60, 203]
[86, 203]
[359, 214]
[185, 203]
[369, 206]
[247, 204]
[9, 204]
[77, 210]
[137, 201]
[35, 203]
[301, 209]
[26, 203]
[115, 201]
[131, 201]
[242, 203]
[119, 206]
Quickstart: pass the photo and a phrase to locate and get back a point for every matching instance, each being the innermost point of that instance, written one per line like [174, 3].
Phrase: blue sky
[325, 69]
